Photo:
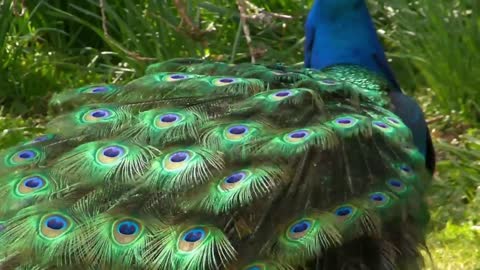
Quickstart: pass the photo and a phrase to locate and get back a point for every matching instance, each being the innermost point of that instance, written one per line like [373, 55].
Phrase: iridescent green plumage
[25, 188]
[206, 165]
[99, 161]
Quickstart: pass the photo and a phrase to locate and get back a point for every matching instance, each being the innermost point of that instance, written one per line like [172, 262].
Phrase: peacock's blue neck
[342, 32]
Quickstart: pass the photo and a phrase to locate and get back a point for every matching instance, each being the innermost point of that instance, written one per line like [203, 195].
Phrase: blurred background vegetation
[433, 45]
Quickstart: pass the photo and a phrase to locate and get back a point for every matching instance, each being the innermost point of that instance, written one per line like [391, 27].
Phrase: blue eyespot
[238, 130]
[194, 235]
[42, 138]
[178, 76]
[27, 154]
[56, 222]
[298, 134]
[169, 118]
[343, 211]
[226, 80]
[127, 227]
[380, 124]
[300, 227]
[377, 197]
[34, 182]
[343, 121]
[236, 177]
[113, 151]
[100, 89]
[100, 113]
[395, 183]
[406, 168]
[284, 93]
[179, 156]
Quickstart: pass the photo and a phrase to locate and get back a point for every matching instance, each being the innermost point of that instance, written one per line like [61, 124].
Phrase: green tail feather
[162, 126]
[206, 165]
[102, 161]
[25, 156]
[120, 241]
[43, 234]
[22, 189]
[84, 95]
[194, 247]
[183, 168]
[237, 189]
[94, 121]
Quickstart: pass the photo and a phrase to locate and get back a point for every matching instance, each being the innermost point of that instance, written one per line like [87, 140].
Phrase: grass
[433, 46]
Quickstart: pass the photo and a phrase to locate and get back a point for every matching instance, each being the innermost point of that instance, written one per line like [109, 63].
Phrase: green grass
[433, 46]
[455, 203]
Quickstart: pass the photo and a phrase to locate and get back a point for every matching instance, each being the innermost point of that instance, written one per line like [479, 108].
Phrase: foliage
[441, 40]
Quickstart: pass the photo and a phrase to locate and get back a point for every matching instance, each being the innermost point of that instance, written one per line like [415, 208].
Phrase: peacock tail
[206, 165]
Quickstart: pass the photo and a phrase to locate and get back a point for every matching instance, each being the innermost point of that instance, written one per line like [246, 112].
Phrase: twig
[265, 16]
[134, 55]
[15, 10]
[104, 17]
[246, 30]
[192, 30]
[182, 11]
[434, 119]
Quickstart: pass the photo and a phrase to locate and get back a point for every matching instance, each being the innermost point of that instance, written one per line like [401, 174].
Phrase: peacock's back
[206, 165]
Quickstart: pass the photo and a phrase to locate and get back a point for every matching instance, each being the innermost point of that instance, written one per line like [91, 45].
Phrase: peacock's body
[205, 165]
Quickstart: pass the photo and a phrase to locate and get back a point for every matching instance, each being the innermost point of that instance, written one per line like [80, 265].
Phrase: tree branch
[242, 8]
[192, 30]
[134, 55]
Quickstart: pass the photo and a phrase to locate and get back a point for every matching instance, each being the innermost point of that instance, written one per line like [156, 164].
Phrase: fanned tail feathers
[206, 165]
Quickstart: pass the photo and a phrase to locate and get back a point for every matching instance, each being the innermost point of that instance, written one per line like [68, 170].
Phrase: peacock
[209, 165]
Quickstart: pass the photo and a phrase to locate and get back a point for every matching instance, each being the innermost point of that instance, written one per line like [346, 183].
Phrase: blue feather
[342, 32]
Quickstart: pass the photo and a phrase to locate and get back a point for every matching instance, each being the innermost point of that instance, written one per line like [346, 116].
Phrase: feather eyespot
[224, 81]
[345, 122]
[236, 132]
[177, 160]
[344, 211]
[396, 185]
[111, 154]
[299, 229]
[25, 156]
[379, 199]
[97, 90]
[255, 267]
[407, 173]
[381, 126]
[31, 184]
[282, 94]
[126, 231]
[177, 77]
[191, 239]
[406, 169]
[97, 115]
[234, 180]
[328, 81]
[167, 120]
[393, 121]
[55, 225]
[40, 139]
[297, 136]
